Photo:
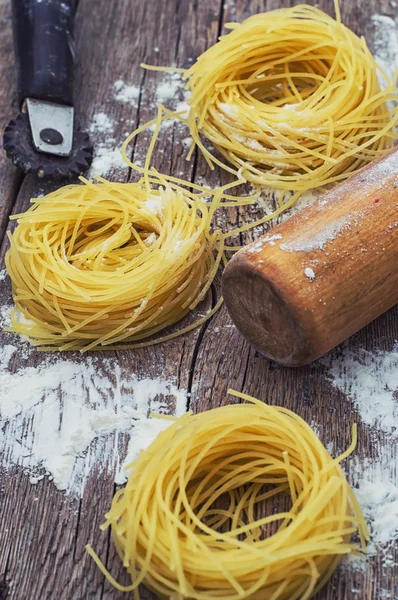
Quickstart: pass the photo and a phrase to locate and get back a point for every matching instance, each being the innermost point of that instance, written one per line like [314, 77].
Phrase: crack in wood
[79, 512]
[4, 584]
[137, 121]
[197, 348]
[245, 371]
[179, 26]
[108, 550]
[9, 206]
[221, 18]
[4, 589]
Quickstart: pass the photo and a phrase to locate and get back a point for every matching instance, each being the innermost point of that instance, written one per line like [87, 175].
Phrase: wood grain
[43, 533]
[10, 178]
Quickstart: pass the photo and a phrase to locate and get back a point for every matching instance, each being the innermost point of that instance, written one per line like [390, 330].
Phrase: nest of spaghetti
[112, 264]
[192, 521]
[292, 99]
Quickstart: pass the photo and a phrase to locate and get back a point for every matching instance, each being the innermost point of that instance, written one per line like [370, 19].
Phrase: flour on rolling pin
[324, 273]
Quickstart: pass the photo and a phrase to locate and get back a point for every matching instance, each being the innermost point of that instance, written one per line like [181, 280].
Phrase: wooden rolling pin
[324, 273]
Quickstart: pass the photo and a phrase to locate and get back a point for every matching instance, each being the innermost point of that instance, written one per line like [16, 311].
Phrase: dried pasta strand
[189, 525]
[106, 265]
[291, 99]
[111, 263]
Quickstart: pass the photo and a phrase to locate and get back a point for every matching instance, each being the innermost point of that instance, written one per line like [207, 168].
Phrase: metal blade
[52, 126]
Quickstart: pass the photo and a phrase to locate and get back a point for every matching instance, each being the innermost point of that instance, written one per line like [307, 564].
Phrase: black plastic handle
[44, 49]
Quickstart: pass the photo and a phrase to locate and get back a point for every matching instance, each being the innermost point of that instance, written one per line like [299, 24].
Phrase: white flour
[385, 43]
[270, 198]
[370, 382]
[307, 241]
[377, 494]
[65, 418]
[268, 239]
[108, 160]
[170, 90]
[309, 273]
[127, 94]
[145, 431]
[101, 123]
[187, 142]
[107, 155]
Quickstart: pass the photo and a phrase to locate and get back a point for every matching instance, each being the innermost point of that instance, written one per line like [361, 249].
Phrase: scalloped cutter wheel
[45, 138]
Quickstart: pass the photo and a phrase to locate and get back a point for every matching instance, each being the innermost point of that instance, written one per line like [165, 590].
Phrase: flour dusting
[145, 432]
[385, 44]
[317, 241]
[170, 89]
[107, 155]
[270, 199]
[309, 273]
[101, 123]
[377, 494]
[268, 239]
[370, 381]
[106, 159]
[66, 418]
[128, 94]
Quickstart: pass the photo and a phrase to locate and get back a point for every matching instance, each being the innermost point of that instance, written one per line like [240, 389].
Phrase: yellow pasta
[291, 98]
[113, 264]
[190, 523]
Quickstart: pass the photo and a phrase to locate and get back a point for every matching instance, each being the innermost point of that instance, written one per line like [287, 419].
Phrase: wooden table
[42, 532]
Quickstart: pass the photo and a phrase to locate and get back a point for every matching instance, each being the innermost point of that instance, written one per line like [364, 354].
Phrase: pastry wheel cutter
[45, 138]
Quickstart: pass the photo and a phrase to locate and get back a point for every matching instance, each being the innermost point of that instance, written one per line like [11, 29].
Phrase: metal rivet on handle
[51, 136]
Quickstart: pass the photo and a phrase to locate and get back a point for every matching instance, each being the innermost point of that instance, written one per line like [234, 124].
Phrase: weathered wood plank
[10, 178]
[55, 528]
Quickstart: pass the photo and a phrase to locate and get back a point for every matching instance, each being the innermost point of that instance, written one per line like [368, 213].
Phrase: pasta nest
[192, 521]
[292, 99]
[108, 263]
